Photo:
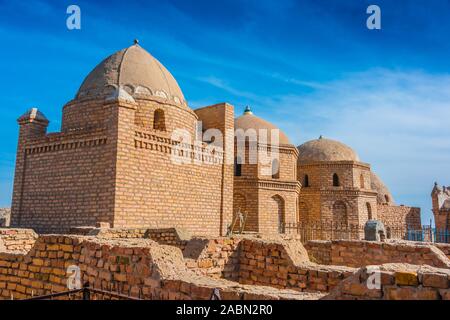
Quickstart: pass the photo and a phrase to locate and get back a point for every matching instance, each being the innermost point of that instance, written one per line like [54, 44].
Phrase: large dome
[249, 121]
[326, 150]
[384, 196]
[137, 72]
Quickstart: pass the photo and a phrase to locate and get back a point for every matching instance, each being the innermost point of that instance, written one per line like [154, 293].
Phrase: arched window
[159, 121]
[237, 167]
[386, 197]
[335, 180]
[306, 181]
[275, 169]
[361, 181]
[369, 211]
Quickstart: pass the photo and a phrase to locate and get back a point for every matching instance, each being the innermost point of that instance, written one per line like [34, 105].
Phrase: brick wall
[135, 267]
[399, 216]
[363, 253]
[17, 240]
[444, 247]
[218, 258]
[168, 236]
[397, 282]
[284, 264]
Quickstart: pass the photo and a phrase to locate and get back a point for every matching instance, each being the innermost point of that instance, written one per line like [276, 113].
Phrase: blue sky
[311, 67]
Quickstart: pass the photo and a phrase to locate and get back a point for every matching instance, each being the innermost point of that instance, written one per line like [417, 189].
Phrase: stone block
[406, 278]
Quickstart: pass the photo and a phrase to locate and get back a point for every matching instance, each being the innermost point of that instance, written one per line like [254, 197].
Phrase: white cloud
[397, 121]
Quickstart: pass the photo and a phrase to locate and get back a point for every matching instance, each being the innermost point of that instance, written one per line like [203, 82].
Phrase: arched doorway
[278, 206]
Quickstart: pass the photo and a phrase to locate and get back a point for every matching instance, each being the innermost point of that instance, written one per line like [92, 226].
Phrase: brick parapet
[362, 253]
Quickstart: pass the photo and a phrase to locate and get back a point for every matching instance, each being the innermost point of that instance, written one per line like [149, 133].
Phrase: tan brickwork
[134, 267]
[397, 282]
[399, 216]
[363, 253]
[344, 204]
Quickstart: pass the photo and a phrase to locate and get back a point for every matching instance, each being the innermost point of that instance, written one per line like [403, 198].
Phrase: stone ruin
[172, 264]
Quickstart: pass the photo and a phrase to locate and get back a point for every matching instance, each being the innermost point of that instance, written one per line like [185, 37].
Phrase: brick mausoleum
[116, 162]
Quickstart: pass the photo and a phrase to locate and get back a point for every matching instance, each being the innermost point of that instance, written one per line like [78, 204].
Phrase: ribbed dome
[249, 121]
[326, 150]
[136, 71]
[384, 196]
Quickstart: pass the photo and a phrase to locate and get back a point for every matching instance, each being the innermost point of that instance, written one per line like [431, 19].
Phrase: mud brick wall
[17, 240]
[218, 258]
[319, 251]
[317, 200]
[134, 267]
[444, 247]
[62, 180]
[396, 282]
[363, 253]
[285, 265]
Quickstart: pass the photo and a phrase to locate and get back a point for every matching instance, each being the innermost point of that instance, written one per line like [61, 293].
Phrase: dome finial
[136, 41]
[248, 110]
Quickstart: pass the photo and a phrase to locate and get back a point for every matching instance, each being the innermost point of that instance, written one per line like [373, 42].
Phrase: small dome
[136, 71]
[326, 150]
[249, 121]
[384, 196]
